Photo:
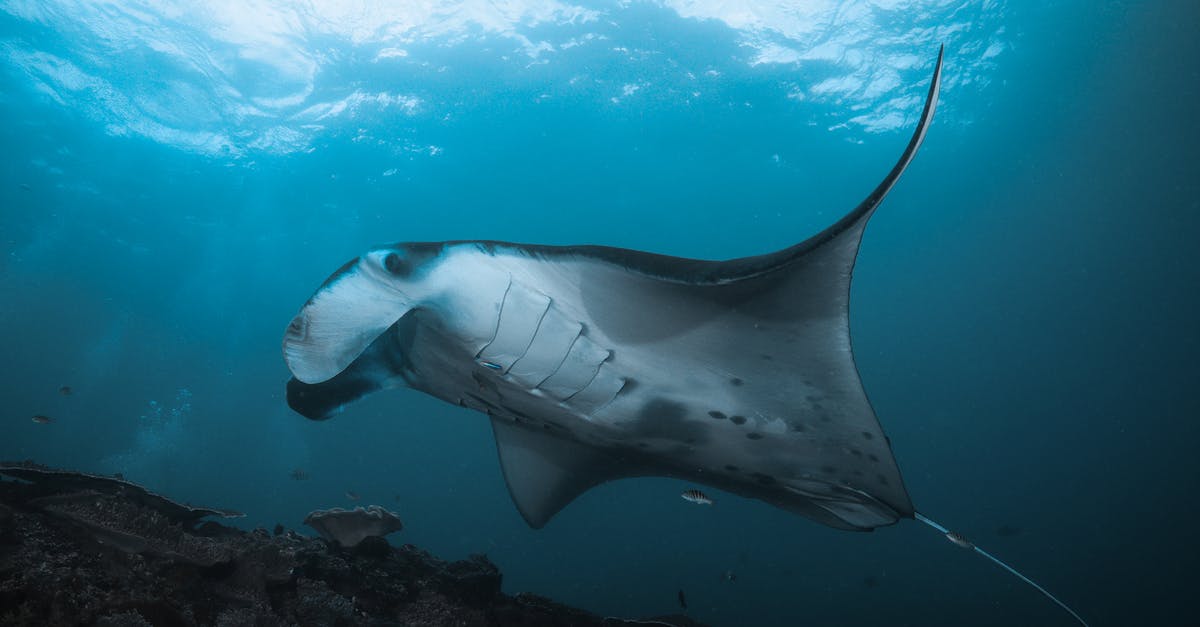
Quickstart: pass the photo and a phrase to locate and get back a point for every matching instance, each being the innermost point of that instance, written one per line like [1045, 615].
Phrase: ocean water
[178, 178]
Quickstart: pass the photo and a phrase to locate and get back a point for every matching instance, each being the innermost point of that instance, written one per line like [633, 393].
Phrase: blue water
[176, 183]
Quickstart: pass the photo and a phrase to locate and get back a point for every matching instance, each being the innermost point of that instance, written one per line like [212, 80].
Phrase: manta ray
[596, 363]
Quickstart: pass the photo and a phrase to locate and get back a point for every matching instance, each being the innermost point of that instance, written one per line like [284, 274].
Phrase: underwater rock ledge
[78, 549]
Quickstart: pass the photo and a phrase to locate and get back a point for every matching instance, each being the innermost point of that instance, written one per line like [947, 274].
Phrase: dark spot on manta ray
[736, 382]
[882, 479]
[812, 398]
[666, 419]
[797, 427]
[867, 435]
[767, 357]
[754, 436]
[829, 470]
[738, 420]
[855, 452]
[717, 414]
[732, 468]
[872, 457]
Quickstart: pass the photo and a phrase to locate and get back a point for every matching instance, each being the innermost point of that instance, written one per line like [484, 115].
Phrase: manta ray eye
[397, 264]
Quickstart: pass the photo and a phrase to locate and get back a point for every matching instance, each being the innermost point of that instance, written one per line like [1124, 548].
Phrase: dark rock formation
[81, 549]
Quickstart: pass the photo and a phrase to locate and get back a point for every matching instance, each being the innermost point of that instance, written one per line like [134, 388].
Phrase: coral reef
[350, 527]
[87, 549]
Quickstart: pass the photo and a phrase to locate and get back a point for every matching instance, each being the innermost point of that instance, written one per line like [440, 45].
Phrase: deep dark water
[1023, 308]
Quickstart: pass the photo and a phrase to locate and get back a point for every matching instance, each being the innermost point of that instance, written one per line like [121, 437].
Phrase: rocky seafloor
[79, 549]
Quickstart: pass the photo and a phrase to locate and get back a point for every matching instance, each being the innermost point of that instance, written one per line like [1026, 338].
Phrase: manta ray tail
[967, 544]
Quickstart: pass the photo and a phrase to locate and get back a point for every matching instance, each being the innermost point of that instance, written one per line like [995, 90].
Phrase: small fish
[730, 576]
[42, 420]
[696, 496]
[959, 539]
[353, 496]
[65, 390]
[682, 599]
[298, 475]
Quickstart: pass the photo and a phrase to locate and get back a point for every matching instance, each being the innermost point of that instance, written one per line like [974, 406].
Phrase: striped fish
[697, 497]
[959, 539]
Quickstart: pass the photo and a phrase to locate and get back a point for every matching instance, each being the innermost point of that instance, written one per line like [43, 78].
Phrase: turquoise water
[177, 182]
